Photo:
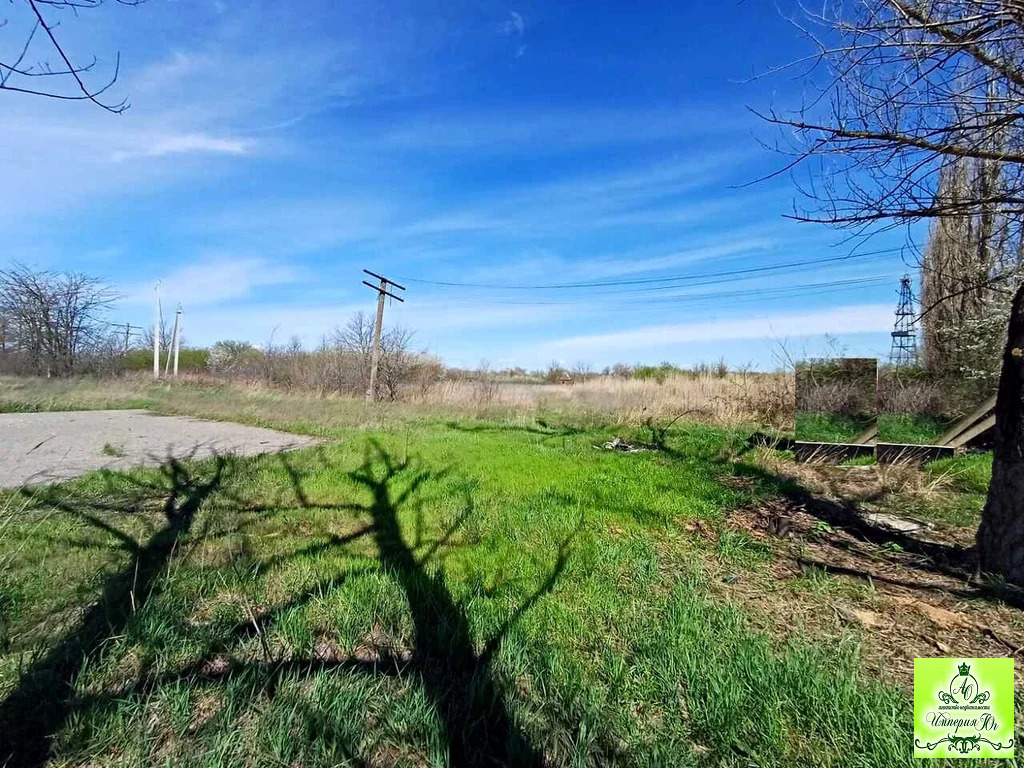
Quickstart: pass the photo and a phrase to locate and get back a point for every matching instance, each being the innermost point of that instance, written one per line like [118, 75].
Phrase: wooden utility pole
[128, 335]
[382, 291]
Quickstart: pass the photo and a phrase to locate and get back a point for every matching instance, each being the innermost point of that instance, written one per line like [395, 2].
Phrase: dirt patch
[907, 590]
[378, 646]
[215, 667]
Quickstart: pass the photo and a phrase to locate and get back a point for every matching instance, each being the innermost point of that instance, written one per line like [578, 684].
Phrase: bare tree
[582, 371]
[51, 319]
[485, 384]
[26, 68]
[914, 87]
[398, 361]
[556, 373]
[166, 336]
[355, 340]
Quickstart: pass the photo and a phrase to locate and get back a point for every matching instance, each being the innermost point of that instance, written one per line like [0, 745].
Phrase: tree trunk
[1001, 535]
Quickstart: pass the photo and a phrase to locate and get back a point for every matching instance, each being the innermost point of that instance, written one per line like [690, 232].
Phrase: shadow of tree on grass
[458, 680]
[456, 677]
[41, 701]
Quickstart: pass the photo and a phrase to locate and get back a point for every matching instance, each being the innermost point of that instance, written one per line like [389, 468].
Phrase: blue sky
[273, 150]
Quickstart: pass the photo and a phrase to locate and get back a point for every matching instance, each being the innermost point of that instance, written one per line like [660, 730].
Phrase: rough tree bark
[1001, 535]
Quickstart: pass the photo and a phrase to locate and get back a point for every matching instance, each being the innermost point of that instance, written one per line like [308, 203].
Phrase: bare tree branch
[13, 71]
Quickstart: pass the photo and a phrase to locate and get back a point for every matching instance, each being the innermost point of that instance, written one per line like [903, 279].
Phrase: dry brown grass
[750, 398]
[732, 400]
[858, 483]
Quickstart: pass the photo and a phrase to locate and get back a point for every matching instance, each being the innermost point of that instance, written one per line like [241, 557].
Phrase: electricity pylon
[904, 336]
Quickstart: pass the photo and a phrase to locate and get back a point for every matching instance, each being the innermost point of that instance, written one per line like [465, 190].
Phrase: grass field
[830, 427]
[911, 430]
[422, 589]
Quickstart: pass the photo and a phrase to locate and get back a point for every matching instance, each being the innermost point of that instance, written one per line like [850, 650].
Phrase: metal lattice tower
[904, 335]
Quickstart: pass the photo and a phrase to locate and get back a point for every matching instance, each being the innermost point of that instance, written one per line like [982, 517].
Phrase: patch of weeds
[968, 474]
[860, 461]
[788, 455]
[892, 546]
[911, 429]
[743, 695]
[1002, 589]
[817, 581]
[740, 549]
[115, 451]
[829, 427]
[11, 599]
[821, 529]
[945, 507]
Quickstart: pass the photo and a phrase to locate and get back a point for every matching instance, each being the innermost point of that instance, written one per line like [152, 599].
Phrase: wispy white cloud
[399, 216]
[543, 263]
[864, 318]
[431, 321]
[182, 144]
[662, 194]
[513, 25]
[213, 279]
[192, 102]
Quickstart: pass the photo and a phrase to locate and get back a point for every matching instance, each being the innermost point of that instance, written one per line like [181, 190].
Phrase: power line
[120, 325]
[650, 280]
[804, 289]
[690, 284]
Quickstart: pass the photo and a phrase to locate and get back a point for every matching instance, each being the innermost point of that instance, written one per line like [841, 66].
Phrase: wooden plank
[901, 453]
[967, 422]
[869, 435]
[965, 437]
[830, 453]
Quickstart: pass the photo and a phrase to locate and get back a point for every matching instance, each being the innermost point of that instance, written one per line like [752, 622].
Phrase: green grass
[860, 461]
[911, 430]
[829, 427]
[399, 597]
[968, 474]
[421, 590]
[965, 480]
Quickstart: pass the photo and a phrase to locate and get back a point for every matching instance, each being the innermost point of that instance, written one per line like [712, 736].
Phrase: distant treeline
[557, 373]
[60, 324]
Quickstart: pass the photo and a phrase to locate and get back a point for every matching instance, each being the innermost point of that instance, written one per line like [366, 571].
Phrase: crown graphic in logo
[964, 669]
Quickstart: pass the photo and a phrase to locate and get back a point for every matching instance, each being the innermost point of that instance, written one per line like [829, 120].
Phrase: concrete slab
[38, 448]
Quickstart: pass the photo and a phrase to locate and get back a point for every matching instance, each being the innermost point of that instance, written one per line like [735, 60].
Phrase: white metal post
[170, 346]
[156, 333]
[177, 339]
